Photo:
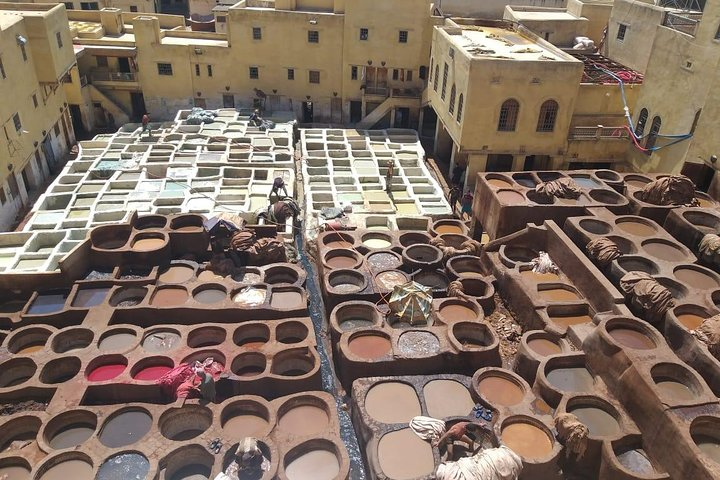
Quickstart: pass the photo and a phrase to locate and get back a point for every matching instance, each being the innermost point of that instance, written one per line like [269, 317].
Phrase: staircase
[119, 113]
[379, 113]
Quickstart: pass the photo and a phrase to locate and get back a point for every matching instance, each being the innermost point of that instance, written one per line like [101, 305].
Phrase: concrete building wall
[552, 24]
[641, 21]
[130, 6]
[597, 12]
[491, 9]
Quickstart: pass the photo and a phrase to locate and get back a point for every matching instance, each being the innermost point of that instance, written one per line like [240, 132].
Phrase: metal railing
[597, 133]
[105, 76]
[685, 23]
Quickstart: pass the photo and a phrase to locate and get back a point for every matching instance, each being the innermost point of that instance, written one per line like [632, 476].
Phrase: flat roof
[194, 41]
[494, 42]
[8, 19]
[540, 15]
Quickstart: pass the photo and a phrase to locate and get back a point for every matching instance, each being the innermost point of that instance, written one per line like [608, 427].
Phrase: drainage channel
[330, 385]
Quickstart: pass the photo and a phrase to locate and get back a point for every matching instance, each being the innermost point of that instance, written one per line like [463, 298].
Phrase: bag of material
[709, 334]
[603, 251]
[564, 187]
[491, 464]
[709, 248]
[572, 434]
[670, 190]
[544, 264]
[266, 251]
[428, 428]
[647, 295]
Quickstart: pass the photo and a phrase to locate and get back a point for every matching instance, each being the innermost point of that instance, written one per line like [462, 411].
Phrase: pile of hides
[411, 302]
[647, 295]
[709, 334]
[249, 462]
[182, 380]
[603, 251]
[564, 187]
[468, 247]
[428, 428]
[199, 116]
[490, 464]
[709, 248]
[262, 251]
[572, 434]
[670, 190]
[544, 264]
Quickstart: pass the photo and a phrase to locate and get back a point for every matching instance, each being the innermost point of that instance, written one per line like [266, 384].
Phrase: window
[209, 69]
[2, 69]
[396, 74]
[642, 120]
[56, 129]
[133, 9]
[353, 73]
[197, 69]
[444, 85]
[17, 122]
[437, 75]
[164, 68]
[508, 115]
[432, 62]
[58, 39]
[717, 34]
[313, 36]
[228, 101]
[69, 5]
[291, 74]
[221, 19]
[403, 36]
[89, 6]
[451, 52]
[101, 61]
[257, 33]
[622, 30]
[547, 117]
[14, 187]
[3, 198]
[460, 108]
[35, 102]
[408, 75]
[23, 52]
[423, 72]
[451, 107]
[254, 73]
[364, 34]
[652, 135]
[314, 76]
[695, 121]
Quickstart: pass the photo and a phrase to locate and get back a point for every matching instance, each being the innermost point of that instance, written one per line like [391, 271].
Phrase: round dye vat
[148, 244]
[314, 465]
[15, 472]
[448, 228]
[527, 440]
[571, 379]
[636, 228]
[392, 402]
[497, 183]
[169, 297]
[631, 338]
[539, 277]
[152, 373]
[447, 398]
[403, 455]
[675, 391]
[69, 469]
[177, 274]
[209, 276]
[599, 422]
[543, 347]
[709, 446]
[696, 279]
[558, 295]
[500, 391]
[116, 342]
[341, 259]
[31, 348]
[106, 372]
[125, 466]
[636, 461]
[192, 472]
[161, 341]
[690, 320]
[242, 426]
[210, 295]
[287, 299]
[125, 428]
[389, 280]
[383, 261]
[664, 251]
[455, 311]
[354, 322]
[376, 243]
[418, 344]
[510, 197]
[370, 347]
[71, 436]
[304, 420]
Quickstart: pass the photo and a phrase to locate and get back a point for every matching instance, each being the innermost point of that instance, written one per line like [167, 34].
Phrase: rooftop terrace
[598, 69]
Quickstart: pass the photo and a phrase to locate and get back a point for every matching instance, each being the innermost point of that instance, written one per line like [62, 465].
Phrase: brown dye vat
[636, 228]
[568, 320]
[696, 279]
[577, 379]
[147, 244]
[500, 391]
[32, 348]
[290, 299]
[338, 244]
[304, 420]
[631, 338]
[74, 469]
[160, 341]
[169, 297]
[370, 347]
[341, 261]
[664, 251]
[209, 276]
[71, 436]
[447, 398]
[383, 261]
[497, 183]
[404, 455]
[527, 440]
[376, 243]
[709, 446]
[510, 197]
[176, 274]
[14, 473]
[314, 465]
[388, 280]
[448, 228]
[458, 312]
[392, 402]
[118, 341]
[189, 228]
[192, 472]
[544, 347]
[125, 428]
[558, 295]
[599, 422]
[636, 461]
[243, 426]
[690, 320]
[539, 277]
[675, 391]
[210, 295]
[636, 183]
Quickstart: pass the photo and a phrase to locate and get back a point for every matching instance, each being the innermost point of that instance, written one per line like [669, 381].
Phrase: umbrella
[411, 302]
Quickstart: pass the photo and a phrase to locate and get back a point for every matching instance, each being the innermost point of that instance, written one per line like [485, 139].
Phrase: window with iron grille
[257, 33]
[460, 108]
[228, 101]
[221, 19]
[622, 30]
[2, 69]
[364, 34]
[508, 115]
[89, 6]
[197, 69]
[437, 76]
[35, 102]
[547, 117]
[642, 120]
[314, 76]
[313, 36]
[58, 38]
[14, 187]
[353, 72]
[17, 122]
[653, 133]
[291, 73]
[451, 107]
[254, 73]
[209, 69]
[164, 69]
[444, 85]
[403, 36]
[69, 5]
[408, 75]
[133, 9]
[3, 198]
[396, 74]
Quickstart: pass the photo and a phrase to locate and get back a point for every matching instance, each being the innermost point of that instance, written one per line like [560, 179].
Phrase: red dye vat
[152, 373]
[106, 372]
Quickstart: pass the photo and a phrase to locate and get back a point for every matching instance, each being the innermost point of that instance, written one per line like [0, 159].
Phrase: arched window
[695, 121]
[423, 72]
[547, 117]
[432, 62]
[460, 108]
[508, 115]
[451, 107]
[642, 120]
[435, 78]
[654, 130]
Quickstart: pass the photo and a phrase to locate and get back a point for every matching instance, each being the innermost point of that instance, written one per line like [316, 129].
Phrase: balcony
[600, 143]
[597, 133]
[106, 76]
[687, 22]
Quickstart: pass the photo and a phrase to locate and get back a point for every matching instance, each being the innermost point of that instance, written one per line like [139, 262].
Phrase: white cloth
[544, 264]
[428, 428]
[491, 464]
